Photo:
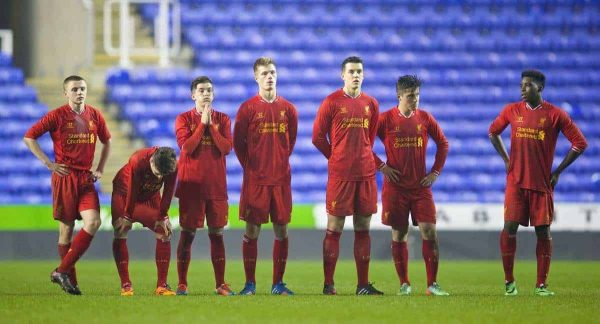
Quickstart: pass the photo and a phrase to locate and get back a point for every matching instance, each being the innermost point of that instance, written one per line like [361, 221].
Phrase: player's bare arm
[500, 148]
[570, 158]
[34, 147]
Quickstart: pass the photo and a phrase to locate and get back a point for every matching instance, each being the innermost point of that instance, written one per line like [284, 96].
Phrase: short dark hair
[198, 80]
[263, 61]
[351, 59]
[536, 75]
[406, 82]
[72, 78]
[165, 160]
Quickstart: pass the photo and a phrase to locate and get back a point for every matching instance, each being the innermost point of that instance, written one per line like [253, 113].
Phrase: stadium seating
[469, 54]
[23, 178]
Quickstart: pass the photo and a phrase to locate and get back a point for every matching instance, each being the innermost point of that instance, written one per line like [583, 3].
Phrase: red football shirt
[74, 135]
[136, 181]
[405, 140]
[264, 136]
[203, 149]
[344, 131]
[533, 136]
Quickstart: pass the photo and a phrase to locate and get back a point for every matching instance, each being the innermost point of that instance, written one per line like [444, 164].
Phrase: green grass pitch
[476, 288]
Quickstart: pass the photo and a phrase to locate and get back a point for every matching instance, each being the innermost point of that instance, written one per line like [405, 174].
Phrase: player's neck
[535, 102]
[78, 109]
[354, 93]
[268, 95]
[404, 111]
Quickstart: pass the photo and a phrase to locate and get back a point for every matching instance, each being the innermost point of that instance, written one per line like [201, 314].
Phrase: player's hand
[390, 173]
[165, 224]
[554, 179]
[122, 225]
[206, 112]
[429, 179]
[60, 169]
[96, 175]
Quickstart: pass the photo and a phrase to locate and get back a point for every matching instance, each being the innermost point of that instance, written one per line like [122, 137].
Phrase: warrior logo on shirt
[260, 115]
[519, 119]
[343, 110]
[70, 125]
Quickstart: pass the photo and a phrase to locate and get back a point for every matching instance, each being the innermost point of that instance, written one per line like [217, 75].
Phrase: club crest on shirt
[91, 125]
[216, 126]
[282, 114]
[367, 110]
[542, 122]
[193, 127]
[519, 119]
[333, 203]
[419, 126]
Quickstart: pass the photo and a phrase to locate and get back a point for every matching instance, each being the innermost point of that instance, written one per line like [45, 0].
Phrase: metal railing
[6, 41]
[127, 47]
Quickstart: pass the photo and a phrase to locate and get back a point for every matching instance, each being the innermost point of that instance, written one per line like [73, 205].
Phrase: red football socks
[400, 256]
[543, 251]
[508, 247]
[62, 251]
[162, 257]
[362, 256]
[331, 251]
[184, 255]
[430, 256]
[249, 254]
[78, 247]
[121, 255]
[217, 256]
[280, 254]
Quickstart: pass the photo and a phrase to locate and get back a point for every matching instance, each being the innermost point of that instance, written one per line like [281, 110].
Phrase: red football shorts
[528, 207]
[346, 198]
[72, 194]
[398, 203]
[258, 202]
[193, 211]
[145, 212]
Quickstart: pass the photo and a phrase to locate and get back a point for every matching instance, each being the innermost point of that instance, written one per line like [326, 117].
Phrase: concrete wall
[52, 37]
[307, 245]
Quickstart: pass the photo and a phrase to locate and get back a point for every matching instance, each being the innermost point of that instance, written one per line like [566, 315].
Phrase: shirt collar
[536, 108]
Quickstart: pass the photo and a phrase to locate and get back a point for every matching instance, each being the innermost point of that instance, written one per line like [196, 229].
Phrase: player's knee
[399, 234]
[542, 232]
[92, 225]
[214, 231]
[280, 231]
[428, 232]
[163, 237]
[511, 227]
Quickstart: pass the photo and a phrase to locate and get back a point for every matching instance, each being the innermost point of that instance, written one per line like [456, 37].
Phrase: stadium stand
[469, 54]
